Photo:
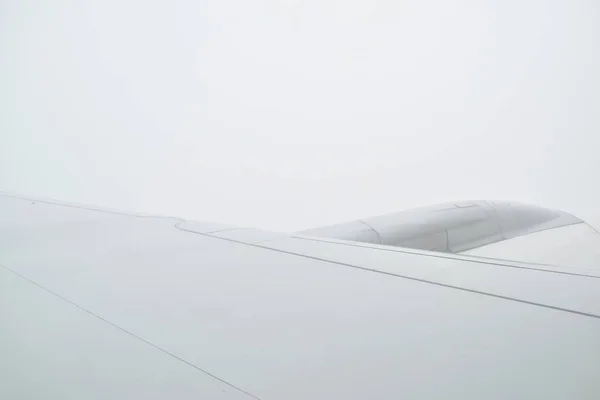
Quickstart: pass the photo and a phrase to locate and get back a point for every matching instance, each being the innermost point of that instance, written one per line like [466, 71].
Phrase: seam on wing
[498, 296]
[224, 230]
[131, 334]
[458, 257]
[371, 228]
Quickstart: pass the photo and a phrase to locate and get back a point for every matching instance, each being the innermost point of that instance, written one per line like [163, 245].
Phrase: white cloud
[287, 115]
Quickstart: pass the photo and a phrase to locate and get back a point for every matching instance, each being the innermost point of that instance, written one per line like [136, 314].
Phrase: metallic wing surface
[100, 304]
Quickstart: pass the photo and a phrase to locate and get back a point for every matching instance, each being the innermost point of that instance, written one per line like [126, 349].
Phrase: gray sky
[291, 114]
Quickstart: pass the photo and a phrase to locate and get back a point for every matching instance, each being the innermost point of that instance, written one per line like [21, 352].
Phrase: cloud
[291, 114]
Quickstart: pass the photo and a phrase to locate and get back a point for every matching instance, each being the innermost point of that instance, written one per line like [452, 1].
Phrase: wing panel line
[131, 333]
[466, 258]
[498, 296]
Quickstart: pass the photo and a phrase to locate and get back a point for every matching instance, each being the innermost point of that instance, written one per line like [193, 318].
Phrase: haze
[292, 114]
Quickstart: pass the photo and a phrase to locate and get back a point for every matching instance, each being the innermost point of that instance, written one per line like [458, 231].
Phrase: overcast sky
[292, 114]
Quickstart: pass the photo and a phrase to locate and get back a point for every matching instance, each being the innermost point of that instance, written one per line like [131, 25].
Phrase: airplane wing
[100, 304]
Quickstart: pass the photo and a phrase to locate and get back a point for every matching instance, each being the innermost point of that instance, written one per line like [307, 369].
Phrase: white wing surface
[101, 304]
